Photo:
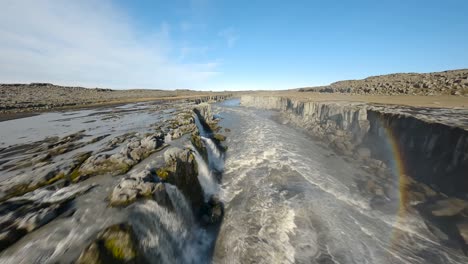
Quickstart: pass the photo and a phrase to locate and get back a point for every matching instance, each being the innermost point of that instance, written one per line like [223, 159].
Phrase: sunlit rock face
[412, 136]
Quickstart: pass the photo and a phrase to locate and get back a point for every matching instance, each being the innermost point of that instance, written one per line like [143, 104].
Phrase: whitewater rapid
[289, 199]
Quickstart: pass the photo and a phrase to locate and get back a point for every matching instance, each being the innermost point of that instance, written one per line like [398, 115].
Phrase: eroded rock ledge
[422, 135]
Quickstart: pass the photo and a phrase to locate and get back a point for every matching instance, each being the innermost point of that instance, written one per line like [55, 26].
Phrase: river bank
[395, 145]
[124, 183]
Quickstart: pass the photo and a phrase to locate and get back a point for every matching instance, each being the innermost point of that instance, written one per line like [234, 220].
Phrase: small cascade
[207, 181]
[166, 236]
[181, 205]
[215, 157]
[200, 127]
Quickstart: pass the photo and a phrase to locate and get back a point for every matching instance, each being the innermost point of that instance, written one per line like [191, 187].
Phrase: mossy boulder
[198, 144]
[219, 137]
[163, 173]
[116, 244]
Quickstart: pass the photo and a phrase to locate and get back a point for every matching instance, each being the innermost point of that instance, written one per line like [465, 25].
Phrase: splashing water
[207, 181]
[215, 157]
[170, 237]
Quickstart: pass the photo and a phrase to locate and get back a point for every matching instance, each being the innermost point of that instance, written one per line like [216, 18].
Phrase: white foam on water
[215, 157]
[170, 237]
[344, 228]
[205, 177]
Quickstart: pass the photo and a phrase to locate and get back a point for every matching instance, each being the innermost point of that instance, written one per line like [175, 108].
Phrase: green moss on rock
[163, 173]
[219, 137]
[116, 244]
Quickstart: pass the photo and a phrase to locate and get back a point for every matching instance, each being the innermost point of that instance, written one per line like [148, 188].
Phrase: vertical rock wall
[431, 150]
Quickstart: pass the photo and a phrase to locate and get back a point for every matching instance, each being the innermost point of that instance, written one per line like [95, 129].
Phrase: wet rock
[213, 211]
[463, 230]
[150, 142]
[103, 164]
[172, 154]
[204, 109]
[116, 244]
[448, 207]
[183, 173]
[119, 163]
[136, 185]
[363, 153]
[219, 137]
[24, 214]
[143, 184]
[116, 141]
[45, 175]
[176, 133]
[198, 144]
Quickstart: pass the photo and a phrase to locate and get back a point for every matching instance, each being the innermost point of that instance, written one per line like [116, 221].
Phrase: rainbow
[398, 168]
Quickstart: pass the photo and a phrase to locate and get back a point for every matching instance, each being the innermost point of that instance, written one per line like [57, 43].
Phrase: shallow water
[290, 200]
[64, 238]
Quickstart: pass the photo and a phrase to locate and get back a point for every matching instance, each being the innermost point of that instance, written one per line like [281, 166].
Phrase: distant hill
[453, 82]
[41, 96]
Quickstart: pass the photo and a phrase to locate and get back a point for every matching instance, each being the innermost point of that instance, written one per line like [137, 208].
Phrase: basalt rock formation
[426, 148]
[422, 136]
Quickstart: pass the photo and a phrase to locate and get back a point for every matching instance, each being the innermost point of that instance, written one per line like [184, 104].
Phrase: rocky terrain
[96, 181]
[32, 97]
[426, 149]
[306, 175]
[437, 83]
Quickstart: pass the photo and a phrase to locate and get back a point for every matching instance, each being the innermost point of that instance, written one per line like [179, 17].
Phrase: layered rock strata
[427, 149]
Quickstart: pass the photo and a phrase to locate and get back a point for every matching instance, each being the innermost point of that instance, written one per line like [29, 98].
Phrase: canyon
[245, 177]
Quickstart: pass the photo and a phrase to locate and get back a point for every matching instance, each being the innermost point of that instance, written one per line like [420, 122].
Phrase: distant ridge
[17, 97]
[453, 82]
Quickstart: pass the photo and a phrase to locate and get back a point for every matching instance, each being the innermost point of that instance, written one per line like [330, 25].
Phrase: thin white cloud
[230, 35]
[89, 43]
[187, 51]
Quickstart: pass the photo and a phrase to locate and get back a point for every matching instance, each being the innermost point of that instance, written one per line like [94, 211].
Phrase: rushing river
[287, 198]
[290, 200]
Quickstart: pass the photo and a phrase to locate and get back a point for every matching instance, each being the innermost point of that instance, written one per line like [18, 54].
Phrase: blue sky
[236, 45]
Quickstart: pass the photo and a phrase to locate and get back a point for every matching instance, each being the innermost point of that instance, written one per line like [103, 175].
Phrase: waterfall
[209, 185]
[169, 236]
[215, 158]
[200, 126]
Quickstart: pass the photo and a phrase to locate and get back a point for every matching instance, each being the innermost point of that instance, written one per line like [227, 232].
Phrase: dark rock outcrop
[182, 172]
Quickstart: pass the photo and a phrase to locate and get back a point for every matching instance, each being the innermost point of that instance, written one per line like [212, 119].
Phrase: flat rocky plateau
[453, 82]
[35, 97]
